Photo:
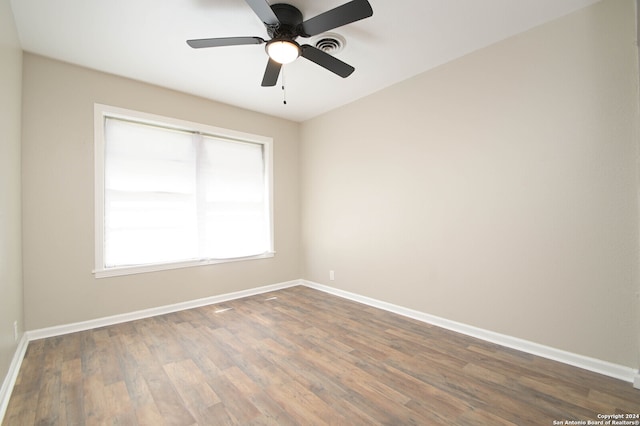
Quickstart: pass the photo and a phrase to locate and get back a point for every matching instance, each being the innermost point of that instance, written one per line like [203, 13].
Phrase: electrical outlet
[15, 331]
[332, 275]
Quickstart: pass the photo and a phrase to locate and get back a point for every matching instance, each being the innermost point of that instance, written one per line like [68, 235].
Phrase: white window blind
[176, 195]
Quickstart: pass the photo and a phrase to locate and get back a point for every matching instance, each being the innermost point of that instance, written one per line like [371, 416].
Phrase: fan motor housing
[290, 17]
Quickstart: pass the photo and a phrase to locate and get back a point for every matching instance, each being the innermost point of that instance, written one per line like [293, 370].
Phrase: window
[173, 194]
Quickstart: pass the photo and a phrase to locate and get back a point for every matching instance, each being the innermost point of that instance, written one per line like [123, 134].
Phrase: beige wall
[58, 198]
[10, 222]
[499, 190]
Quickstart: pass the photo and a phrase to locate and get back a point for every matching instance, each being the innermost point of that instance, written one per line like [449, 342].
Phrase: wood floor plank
[72, 392]
[237, 404]
[297, 357]
[303, 405]
[245, 385]
[149, 415]
[271, 413]
[191, 385]
[94, 399]
[329, 390]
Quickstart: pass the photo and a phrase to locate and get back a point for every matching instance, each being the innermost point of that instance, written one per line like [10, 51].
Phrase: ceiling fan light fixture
[284, 24]
[283, 51]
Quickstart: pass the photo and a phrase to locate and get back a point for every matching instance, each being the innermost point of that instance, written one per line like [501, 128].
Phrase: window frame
[101, 113]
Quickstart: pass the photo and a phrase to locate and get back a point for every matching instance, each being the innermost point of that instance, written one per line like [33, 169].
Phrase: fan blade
[342, 15]
[224, 41]
[264, 12]
[327, 61]
[271, 73]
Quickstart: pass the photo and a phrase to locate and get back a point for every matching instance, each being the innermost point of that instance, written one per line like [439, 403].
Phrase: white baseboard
[146, 313]
[12, 375]
[598, 366]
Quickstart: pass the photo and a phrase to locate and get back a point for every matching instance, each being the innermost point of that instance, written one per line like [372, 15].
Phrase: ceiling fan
[284, 24]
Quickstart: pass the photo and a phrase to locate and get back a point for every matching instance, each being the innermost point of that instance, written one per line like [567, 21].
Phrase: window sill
[141, 269]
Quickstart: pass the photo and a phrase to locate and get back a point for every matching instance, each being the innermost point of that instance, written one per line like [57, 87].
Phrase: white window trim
[100, 113]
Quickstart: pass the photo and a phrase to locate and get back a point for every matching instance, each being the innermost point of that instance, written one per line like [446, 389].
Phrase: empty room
[343, 212]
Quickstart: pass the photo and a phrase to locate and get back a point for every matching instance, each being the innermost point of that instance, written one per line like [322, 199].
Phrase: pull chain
[284, 91]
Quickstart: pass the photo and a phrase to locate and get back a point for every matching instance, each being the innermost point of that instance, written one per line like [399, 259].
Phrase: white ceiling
[145, 40]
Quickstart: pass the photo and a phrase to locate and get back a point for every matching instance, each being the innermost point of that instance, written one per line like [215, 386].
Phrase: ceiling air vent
[330, 43]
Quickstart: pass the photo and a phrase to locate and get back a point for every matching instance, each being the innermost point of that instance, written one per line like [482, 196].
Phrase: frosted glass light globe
[283, 51]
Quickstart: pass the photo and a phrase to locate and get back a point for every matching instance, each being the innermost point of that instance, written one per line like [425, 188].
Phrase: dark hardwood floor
[298, 356]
